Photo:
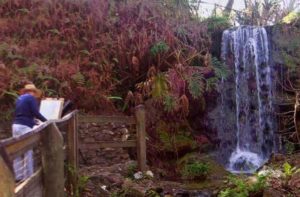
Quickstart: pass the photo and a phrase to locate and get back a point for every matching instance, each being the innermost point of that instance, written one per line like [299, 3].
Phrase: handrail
[108, 119]
[16, 145]
[52, 153]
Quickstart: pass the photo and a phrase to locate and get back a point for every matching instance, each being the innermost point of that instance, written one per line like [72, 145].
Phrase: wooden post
[72, 152]
[52, 162]
[72, 142]
[7, 180]
[141, 137]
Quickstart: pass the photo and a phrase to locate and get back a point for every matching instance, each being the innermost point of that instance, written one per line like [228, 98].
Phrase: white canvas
[51, 109]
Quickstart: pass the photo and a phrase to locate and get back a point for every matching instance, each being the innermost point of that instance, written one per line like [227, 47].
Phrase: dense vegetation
[109, 56]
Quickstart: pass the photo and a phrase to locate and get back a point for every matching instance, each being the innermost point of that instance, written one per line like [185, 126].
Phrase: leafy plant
[242, 188]
[196, 85]
[196, 170]
[220, 69]
[216, 23]
[288, 170]
[131, 170]
[159, 86]
[289, 147]
[259, 184]
[75, 189]
[151, 193]
[158, 48]
[169, 103]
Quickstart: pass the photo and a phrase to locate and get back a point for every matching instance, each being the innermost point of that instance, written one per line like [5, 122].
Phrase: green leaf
[85, 52]
[23, 10]
[160, 86]
[79, 78]
[158, 48]
[115, 98]
[196, 85]
[287, 169]
[169, 103]
[54, 31]
[220, 69]
[11, 93]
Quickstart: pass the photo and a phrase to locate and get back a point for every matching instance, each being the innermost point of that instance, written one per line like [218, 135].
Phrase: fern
[196, 85]
[43, 77]
[220, 69]
[160, 86]
[211, 83]
[288, 170]
[169, 103]
[14, 94]
[54, 31]
[79, 78]
[159, 48]
[29, 70]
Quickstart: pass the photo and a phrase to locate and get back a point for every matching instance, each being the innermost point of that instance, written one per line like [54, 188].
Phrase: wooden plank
[17, 146]
[52, 162]
[107, 119]
[76, 131]
[109, 144]
[71, 142]
[141, 137]
[7, 180]
[72, 153]
[32, 183]
[66, 117]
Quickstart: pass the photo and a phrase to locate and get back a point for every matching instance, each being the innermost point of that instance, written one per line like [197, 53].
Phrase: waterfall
[246, 99]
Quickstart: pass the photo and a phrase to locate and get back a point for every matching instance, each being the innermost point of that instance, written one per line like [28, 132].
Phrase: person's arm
[35, 110]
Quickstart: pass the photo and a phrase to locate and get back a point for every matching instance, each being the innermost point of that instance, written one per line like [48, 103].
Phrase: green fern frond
[85, 52]
[29, 70]
[79, 78]
[14, 94]
[159, 48]
[196, 85]
[169, 103]
[211, 83]
[220, 69]
[54, 31]
[43, 77]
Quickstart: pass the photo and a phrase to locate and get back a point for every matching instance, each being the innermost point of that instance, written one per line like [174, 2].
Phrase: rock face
[92, 133]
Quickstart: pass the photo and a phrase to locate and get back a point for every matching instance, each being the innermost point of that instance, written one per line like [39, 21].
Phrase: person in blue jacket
[26, 113]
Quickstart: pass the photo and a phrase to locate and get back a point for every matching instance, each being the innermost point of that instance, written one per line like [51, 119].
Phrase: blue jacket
[26, 110]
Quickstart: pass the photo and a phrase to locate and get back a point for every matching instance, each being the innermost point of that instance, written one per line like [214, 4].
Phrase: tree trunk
[297, 116]
[228, 8]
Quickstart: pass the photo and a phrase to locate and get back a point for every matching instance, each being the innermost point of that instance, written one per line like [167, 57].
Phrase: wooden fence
[140, 142]
[58, 142]
[48, 180]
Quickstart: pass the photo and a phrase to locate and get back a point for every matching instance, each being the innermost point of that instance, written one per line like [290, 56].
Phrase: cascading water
[246, 99]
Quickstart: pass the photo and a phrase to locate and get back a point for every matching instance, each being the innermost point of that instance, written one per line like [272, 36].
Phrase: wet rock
[270, 172]
[138, 175]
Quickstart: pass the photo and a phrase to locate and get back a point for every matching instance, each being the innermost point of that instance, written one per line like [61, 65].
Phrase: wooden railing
[49, 179]
[140, 142]
[57, 141]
